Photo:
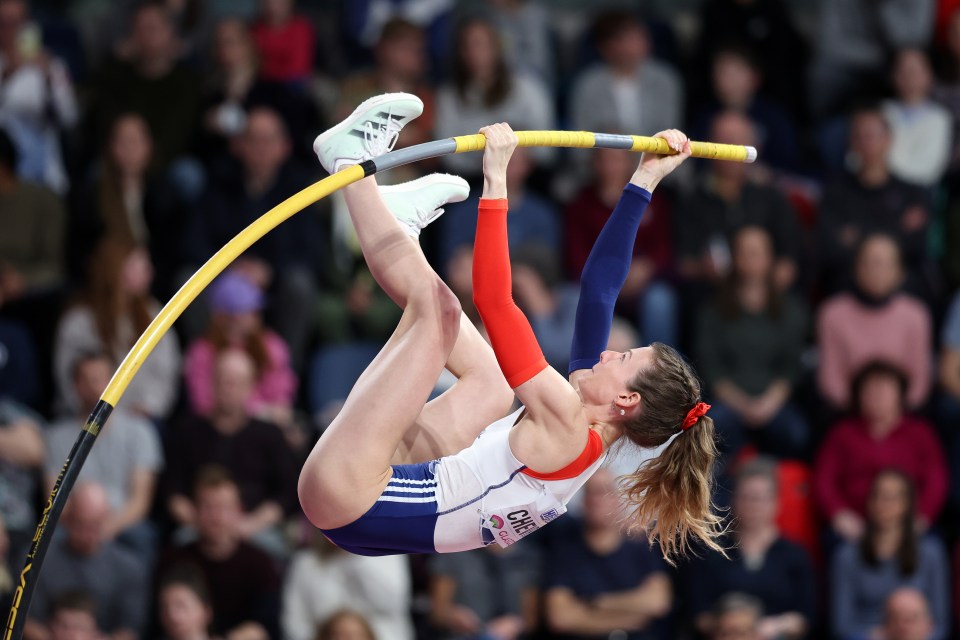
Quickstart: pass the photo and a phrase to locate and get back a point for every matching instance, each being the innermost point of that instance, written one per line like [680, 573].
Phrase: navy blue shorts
[402, 520]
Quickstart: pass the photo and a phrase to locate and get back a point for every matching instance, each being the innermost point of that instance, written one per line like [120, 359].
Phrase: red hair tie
[699, 410]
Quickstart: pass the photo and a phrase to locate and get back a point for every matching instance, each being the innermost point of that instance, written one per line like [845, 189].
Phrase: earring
[623, 412]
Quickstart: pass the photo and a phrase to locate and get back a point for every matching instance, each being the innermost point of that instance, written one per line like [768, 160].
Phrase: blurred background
[814, 291]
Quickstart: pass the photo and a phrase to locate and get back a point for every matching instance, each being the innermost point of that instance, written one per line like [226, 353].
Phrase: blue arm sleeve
[603, 275]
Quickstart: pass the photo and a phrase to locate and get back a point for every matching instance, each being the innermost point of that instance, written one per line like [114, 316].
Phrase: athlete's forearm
[511, 336]
[603, 276]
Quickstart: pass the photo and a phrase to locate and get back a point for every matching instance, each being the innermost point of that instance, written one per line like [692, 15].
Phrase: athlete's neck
[609, 433]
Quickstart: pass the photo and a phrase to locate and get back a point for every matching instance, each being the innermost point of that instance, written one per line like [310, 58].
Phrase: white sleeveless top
[483, 496]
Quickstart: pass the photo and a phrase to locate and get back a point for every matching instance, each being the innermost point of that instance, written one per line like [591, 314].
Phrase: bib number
[508, 526]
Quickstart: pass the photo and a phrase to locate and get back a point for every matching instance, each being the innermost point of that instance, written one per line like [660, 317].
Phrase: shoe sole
[366, 105]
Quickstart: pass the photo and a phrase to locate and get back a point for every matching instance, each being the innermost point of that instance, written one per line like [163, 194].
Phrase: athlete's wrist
[494, 188]
[645, 179]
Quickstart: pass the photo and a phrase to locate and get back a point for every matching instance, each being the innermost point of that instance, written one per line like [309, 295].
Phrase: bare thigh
[451, 423]
[350, 465]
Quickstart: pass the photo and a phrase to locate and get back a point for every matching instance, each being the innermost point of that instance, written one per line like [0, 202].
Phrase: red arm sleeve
[510, 333]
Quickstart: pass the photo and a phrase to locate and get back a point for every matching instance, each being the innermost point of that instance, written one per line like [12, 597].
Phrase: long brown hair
[907, 550]
[104, 293]
[669, 497]
[109, 194]
[502, 82]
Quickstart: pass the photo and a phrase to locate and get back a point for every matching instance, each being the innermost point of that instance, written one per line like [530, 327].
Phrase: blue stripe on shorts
[402, 520]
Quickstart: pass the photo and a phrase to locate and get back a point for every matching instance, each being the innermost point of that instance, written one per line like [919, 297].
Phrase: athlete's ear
[628, 401]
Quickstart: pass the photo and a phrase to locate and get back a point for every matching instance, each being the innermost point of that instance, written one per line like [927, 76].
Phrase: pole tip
[751, 154]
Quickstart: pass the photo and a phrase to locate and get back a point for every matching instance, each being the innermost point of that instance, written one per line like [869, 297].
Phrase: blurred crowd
[815, 291]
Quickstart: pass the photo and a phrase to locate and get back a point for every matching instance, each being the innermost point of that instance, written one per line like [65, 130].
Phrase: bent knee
[310, 490]
[333, 495]
[437, 299]
[448, 304]
[320, 497]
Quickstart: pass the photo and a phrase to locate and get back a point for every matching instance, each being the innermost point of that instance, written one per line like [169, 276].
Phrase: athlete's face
[609, 381]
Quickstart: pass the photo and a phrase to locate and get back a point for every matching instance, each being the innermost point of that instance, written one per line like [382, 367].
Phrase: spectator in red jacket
[285, 41]
[879, 436]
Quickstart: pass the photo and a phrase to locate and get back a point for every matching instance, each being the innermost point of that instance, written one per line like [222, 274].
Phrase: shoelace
[379, 138]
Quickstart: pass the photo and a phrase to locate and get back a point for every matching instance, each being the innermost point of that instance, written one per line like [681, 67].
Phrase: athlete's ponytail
[669, 497]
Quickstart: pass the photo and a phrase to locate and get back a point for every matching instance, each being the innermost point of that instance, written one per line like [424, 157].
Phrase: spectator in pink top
[285, 42]
[874, 321]
[880, 436]
[235, 321]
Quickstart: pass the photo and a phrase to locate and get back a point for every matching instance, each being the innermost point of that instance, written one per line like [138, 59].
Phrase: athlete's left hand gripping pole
[27, 581]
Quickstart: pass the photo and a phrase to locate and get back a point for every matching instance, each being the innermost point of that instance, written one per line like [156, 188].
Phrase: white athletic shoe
[418, 203]
[370, 131]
